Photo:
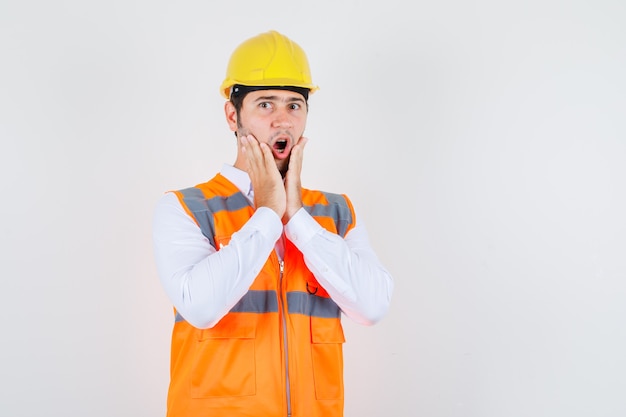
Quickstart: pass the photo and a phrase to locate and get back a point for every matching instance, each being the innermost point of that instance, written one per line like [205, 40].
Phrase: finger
[253, 152]
[250, 144]
[299, 147]
[302, 141]
[295, 161]
[267, 157]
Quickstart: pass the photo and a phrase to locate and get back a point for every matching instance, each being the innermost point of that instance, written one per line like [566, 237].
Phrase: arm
[347, 268]
[203, 283]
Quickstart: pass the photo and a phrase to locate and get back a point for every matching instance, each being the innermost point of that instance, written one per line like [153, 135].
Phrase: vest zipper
[285, 345]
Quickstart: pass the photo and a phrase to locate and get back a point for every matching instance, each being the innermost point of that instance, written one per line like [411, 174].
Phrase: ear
[231, 115]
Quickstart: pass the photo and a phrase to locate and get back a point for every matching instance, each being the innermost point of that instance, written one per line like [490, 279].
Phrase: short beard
[285, 167]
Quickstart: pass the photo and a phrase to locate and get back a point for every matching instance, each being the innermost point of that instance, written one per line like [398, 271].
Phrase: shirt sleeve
[347, 268]
[202, 282]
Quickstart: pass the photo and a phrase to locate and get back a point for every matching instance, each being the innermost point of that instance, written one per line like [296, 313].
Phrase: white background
[483, 142]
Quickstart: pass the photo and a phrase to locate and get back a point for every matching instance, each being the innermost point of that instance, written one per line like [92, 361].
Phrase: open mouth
[280, 145]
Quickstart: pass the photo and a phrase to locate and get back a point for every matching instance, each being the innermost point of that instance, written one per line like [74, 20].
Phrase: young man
[259, 269]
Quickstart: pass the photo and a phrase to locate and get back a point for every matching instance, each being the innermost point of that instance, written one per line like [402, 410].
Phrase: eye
[294, 106]
[265, 105]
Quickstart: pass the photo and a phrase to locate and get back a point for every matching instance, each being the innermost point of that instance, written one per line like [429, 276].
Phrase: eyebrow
[276, 98]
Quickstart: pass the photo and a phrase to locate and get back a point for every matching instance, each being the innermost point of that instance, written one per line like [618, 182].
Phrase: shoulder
[218, 186]
[337, 207]
[312, 197]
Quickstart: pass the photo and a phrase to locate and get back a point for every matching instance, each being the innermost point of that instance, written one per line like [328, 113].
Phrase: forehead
[274, 95]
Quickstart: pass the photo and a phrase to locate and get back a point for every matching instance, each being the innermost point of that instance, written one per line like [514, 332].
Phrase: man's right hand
[267, 183]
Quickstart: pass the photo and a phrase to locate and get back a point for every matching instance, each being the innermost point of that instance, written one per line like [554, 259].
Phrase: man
[259, 269]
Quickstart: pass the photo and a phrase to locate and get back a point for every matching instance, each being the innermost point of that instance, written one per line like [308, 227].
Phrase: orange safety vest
[278, 352]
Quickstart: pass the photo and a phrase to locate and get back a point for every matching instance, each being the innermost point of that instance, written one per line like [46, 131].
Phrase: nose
[282, 119]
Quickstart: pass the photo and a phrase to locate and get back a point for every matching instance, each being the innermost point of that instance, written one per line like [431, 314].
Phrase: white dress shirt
[204, 283]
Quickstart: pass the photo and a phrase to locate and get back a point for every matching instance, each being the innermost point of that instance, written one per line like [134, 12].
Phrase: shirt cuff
[301, 228]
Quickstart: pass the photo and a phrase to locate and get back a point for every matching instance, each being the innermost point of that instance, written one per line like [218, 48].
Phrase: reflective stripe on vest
[203, 210]
[336, 208]
[255, 301]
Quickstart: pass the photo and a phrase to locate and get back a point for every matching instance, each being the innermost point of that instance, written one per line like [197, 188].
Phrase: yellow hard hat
[269, 59]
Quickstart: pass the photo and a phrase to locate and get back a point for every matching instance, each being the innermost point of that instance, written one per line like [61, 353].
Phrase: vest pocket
[224, 360]
[327, 356]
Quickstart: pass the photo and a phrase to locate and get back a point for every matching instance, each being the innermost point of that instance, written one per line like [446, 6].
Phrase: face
[276, 117]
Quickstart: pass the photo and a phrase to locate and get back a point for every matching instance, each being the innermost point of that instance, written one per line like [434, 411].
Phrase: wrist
[290, 212]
